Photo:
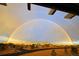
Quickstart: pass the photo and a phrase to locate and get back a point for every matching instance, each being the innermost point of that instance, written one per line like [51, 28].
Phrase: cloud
[8, 23]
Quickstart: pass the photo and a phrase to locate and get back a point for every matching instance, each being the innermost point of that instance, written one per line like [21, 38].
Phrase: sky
[14, 15]
[41, 30]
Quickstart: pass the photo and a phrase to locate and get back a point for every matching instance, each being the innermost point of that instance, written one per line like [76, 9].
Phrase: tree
[2, 46]
[74, 51]
[32, 46]
[53, 53]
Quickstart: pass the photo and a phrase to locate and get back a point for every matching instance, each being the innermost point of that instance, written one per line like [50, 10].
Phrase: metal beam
[70, 16]
[52, 11]
[3, 4]
[65, 7]
[29, 6]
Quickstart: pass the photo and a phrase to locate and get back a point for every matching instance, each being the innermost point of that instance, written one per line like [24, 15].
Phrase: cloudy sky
[14, 15]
